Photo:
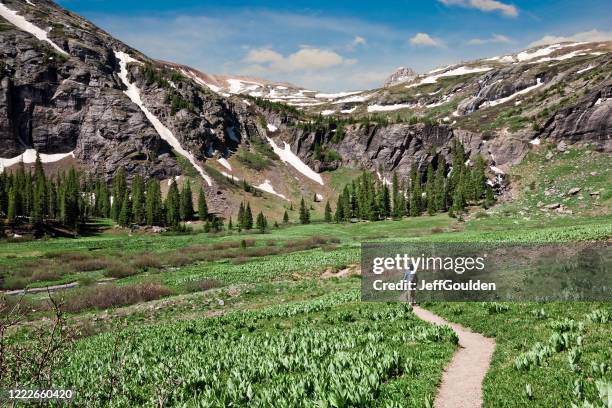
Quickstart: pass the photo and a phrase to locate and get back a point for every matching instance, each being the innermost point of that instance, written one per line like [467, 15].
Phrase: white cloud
[509, 10]
[424, 39]
[305, 59]
[494, 39]
[358, 40]
[587, 36]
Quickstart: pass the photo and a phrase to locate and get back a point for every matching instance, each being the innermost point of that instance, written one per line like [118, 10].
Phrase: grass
[170, 290]
[517, 328]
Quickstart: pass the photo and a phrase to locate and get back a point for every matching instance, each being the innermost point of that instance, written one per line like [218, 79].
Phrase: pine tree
[240, 217]
[172, 205]
[12, 204]
[416, 195]
[138, 200]
[203, 206]
[396, 194]
[430, 190]
[119, 188]
[285, 217]
[262, 223]
[70, 199]
[440, 186]
[125, 215]
[385, 201]
[328, 212]
[186, 202]
[248, 217]
[153, 203]
[479, 178]
[105, 204]
[304, 213]
[230, 225]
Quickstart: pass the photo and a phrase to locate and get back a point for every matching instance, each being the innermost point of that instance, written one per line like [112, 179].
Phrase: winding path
[461, 385]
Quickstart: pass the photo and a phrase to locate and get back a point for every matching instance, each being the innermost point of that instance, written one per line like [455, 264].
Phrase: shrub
[107, 296]
[178, 259]
[119, 270]
[89, 264]
[201, 285]
[146, 261]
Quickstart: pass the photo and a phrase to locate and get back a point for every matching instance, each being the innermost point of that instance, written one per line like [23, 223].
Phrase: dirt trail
[461, 385]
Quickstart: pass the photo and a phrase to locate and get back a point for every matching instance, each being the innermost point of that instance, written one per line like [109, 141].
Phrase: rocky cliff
[67, 86]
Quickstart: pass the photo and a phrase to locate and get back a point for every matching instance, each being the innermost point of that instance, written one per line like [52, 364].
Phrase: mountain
[402, 74]
[78, 96]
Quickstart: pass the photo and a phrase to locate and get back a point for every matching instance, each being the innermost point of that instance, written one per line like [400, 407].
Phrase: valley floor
[275, 319]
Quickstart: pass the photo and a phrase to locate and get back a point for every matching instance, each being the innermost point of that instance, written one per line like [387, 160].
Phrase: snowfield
[21, 23]
[386, 108]
[272, 128]
[134, 94]
[223, 161]
[463, 70]
[29, 156]
[268, 188]
[288, 156]
[328, 112]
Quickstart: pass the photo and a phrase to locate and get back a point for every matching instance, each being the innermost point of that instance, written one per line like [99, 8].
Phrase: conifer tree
[203, 207]
[439, 186]
[385, 201]
[248, 217]
[285, 217]
[119, 188]
[186, 202]
[138, 212]
[241, 216]
[416, 196]
[125, 215]
[479, 178]
[328, 212]
[12, 204]
[230, 225]
[430, 190]
[304, 213]
[153, 203]
[261, 223]
[172, 205]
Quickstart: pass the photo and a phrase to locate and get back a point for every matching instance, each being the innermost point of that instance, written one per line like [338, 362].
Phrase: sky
[340, 45]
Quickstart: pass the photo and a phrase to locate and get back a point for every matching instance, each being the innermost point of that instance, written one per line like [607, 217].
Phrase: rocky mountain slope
[73, 93]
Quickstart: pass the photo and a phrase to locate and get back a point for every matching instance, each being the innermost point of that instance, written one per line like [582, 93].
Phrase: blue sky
[340, 45]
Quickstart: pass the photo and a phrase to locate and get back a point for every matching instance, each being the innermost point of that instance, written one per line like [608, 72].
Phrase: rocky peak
[402, 74]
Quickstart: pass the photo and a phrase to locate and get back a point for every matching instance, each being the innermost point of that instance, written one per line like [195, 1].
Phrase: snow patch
[288, 156]
[538, 84]
[535, 141]
[319, 196]
[328, 112]
[230, 176]
[335, 95]
[463, 70]
[134, 94]
[29, 156]
[585, 69]
[348, 110]
[268, 188]
[23, 24]
[272, 128]
[223, 161]
[386, 108]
